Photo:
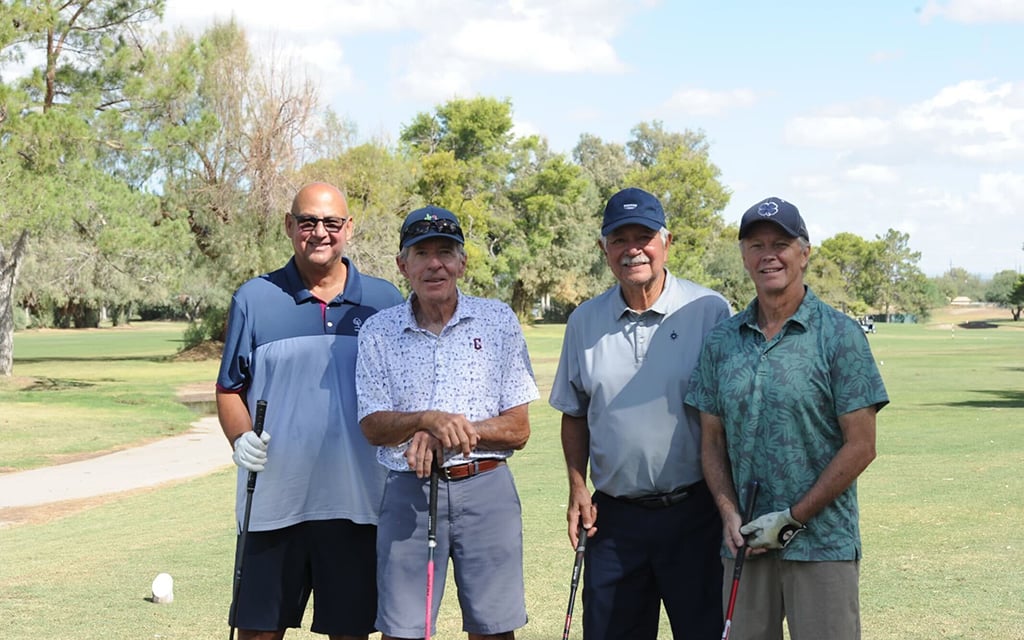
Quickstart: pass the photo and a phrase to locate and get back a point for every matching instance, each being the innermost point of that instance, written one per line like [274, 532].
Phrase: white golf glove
[772, 530]
[251, 450]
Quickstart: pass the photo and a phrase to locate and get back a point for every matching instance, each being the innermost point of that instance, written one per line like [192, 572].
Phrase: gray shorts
[816, 599]
[479, 525]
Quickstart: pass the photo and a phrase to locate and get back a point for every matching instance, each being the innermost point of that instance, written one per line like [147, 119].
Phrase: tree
[551, 250]
[62, 124]
[226, 134]
[605, 163]
[1000, 289]
[1017, 299]
[464, 154]
[903, 287]
[677, 168]
[958, 282]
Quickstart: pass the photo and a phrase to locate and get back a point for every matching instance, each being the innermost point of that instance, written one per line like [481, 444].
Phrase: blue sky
[867, 115]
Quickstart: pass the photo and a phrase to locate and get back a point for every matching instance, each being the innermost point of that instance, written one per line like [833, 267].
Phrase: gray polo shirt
[628, 373]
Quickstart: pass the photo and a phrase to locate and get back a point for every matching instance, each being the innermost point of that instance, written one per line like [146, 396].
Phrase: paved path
[197, 452]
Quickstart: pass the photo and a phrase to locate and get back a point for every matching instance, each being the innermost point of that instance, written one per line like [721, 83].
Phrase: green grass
[78, 393]
[941, 512]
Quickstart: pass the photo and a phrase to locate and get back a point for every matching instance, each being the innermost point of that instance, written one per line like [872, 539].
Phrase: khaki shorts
[818, 599]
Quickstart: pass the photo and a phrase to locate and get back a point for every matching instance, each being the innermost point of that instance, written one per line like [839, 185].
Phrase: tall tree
[62, 121]
[464, 153]
[677, 168]
[227, 132]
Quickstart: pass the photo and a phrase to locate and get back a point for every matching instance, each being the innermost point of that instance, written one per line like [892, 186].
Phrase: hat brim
[653, 225]
[432, 234]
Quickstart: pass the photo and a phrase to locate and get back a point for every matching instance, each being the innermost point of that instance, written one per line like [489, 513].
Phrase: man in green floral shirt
[788, 391]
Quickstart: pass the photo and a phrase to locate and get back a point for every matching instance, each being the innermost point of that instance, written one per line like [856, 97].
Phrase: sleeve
[372, 389]
[519, 385]
[234, 374]
[567, 393]
[856, 381]
[703, 391]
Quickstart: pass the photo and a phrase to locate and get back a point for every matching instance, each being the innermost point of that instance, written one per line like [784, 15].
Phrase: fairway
[941, 506]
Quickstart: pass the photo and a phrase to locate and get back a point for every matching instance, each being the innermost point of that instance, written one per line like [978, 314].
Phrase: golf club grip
[261, 416]
[748, 515]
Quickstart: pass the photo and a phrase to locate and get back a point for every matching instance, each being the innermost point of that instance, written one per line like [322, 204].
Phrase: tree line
[147, 172]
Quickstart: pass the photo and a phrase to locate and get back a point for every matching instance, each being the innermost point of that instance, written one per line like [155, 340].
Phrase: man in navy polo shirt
[625, 365]
[291, 340]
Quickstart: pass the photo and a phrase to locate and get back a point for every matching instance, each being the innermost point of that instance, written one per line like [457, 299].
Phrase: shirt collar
[668, 298]
[352, 293]
[462, 311]
[801, 316]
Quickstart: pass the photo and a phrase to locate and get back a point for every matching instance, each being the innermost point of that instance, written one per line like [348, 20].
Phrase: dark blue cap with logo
[632, 206]
[430, 222]
[776, 210]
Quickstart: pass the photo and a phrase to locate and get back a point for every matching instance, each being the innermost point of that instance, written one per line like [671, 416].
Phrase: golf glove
[772, 530]
[251, 451]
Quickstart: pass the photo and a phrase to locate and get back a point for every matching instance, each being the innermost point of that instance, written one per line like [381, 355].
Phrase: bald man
[291, 340]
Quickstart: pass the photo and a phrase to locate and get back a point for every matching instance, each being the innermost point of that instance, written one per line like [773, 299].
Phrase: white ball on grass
[163, 588]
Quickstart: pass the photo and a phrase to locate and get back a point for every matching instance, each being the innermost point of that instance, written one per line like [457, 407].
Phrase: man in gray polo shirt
[653, 530]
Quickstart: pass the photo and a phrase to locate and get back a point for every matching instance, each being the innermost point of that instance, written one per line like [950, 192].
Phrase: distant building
[961, 301]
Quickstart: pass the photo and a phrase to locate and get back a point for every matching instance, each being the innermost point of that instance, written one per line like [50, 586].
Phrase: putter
[581, 547]
[261, 414]
[431, 543]
[741, 555]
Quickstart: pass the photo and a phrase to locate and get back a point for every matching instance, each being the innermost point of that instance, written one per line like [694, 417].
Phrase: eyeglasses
[307, 224]
[423, 227]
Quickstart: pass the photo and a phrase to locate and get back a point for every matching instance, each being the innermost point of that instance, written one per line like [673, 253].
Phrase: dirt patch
[209, 350]
[43, 513]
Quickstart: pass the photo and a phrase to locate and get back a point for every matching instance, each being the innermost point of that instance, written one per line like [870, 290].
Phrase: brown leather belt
[470, 469]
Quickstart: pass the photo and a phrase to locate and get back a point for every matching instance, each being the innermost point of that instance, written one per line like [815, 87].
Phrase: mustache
[635, 260]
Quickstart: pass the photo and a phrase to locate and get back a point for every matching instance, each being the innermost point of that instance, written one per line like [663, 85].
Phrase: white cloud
[705, 102]
[872, 174]
[974, 11]
[974, 120]
[837, 131]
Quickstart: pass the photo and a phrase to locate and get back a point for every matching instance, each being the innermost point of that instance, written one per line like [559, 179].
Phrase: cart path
[197, 452]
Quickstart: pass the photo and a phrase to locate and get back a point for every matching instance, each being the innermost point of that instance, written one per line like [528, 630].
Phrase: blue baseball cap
[785, 214]
[430, 222]
[632, 206]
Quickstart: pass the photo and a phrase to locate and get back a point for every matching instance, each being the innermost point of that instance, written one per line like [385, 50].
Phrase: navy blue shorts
[641, 558]
[336, 559]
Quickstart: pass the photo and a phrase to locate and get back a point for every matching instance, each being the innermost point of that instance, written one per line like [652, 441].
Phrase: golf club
[261, 414]
[581, 547]
[431, 543]
[741, 555]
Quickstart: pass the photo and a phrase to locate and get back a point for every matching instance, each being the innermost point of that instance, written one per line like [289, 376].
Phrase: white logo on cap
[767, 209]
[629, 207]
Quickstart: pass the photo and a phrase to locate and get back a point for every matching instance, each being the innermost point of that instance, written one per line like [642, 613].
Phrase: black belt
[660, 500]
[469, 469]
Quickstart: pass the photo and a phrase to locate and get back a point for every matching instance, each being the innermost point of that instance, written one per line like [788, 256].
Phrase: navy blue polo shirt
[298, 353]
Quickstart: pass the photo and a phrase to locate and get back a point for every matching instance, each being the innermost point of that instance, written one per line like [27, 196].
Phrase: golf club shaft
[581, 547]
[250, 487]
[741, 555]
[431, 543]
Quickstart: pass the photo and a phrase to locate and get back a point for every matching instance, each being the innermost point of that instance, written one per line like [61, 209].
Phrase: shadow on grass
[96, 358]
[57, 384]
[1002, 399]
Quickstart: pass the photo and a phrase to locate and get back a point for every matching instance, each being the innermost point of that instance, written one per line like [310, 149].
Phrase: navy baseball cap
[785, 214]
[632, 206]
[430, 222]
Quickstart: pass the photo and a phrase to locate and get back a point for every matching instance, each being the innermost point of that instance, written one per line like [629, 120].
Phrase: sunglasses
[307, 224]
[423, 227]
